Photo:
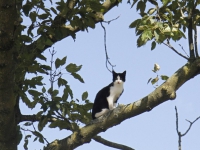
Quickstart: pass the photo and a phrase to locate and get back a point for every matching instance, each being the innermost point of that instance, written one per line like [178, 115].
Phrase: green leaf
[73, 68]
[26, 8]
[34, 93]
[61, 82]
[141, 5]
[57, 63]
[156, 36]
[63, 61]
[164, 77]
[55, 93]
[65, 94]
[68, 89]
[154, 80]
[165, 2]
[43, 89]
[42, 123]
[33, 16]
[43, 16]
[85, 95]
[48, 42]
[26, 141]
[153, 45]
[151, 11]
[149, 80]
[54, 10]
[59, 123]
[134, 23]
[28, 124]
[77, 76]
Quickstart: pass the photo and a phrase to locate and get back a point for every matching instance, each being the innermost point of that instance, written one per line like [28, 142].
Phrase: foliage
[68, 113]
[155, 80]
[167, 20]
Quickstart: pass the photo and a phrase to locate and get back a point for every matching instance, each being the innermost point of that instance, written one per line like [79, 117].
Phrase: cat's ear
[113, 72]
[124, 73]
[124, 76]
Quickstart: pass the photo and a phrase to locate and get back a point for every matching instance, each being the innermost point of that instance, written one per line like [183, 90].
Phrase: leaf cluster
[167, 20]
[57, 104]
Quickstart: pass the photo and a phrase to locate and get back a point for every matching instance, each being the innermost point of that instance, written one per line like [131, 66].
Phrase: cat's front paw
[111, 107]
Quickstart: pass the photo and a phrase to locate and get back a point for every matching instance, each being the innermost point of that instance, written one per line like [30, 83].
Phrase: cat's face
[119, 78]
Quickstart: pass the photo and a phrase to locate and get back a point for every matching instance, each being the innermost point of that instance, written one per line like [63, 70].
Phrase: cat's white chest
[115, 92]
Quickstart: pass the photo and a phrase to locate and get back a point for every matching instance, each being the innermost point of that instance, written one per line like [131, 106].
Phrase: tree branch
[34, 118]
[195, 41]
[171, 47]
[111, 144]
[178, 132]
[190, 35]
[166, 91]
[72, 30]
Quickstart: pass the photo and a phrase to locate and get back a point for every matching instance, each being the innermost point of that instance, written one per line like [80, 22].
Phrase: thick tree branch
[195, 41]
[34, 118]
[166, 91]
[111, 144]
[72, 30]
[190, 34]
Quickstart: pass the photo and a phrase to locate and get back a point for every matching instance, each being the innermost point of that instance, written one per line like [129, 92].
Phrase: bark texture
[8, 134]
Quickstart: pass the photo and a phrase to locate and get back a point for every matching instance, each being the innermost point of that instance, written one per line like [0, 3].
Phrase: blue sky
[154, 130]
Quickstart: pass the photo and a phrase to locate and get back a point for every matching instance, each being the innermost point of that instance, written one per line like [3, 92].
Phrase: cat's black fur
[106, 98]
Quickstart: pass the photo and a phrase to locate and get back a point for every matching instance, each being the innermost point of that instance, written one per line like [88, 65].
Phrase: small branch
[107, 58]
[111, 144]
[191, 123]
[171, 47]
[111, 20]
[35, 133]
[183, 50]
[177, 130]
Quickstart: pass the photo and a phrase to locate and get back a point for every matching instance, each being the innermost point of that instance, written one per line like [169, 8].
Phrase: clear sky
[154, 130]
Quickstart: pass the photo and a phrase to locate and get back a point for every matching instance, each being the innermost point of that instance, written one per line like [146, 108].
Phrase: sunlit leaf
[154, 80]
[164, 77]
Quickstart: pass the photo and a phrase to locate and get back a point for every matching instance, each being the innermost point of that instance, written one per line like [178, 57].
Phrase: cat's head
[119, 77]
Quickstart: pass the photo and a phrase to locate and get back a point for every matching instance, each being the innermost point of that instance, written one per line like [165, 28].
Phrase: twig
[111, 144]
[191, 123]
[111, 20]
[183, 50]
[33, 132]
[107, 58]
[52, 77]
[177, 130]
[169, 45]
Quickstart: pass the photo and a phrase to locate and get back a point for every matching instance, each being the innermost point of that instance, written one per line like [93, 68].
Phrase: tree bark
[8, 133]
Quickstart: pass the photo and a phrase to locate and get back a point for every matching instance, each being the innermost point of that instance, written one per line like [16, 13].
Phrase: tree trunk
[8, 134]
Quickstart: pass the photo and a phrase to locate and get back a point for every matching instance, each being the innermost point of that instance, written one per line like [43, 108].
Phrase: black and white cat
[106, 98]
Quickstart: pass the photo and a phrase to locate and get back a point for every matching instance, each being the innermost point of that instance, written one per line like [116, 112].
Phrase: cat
[106, 98]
